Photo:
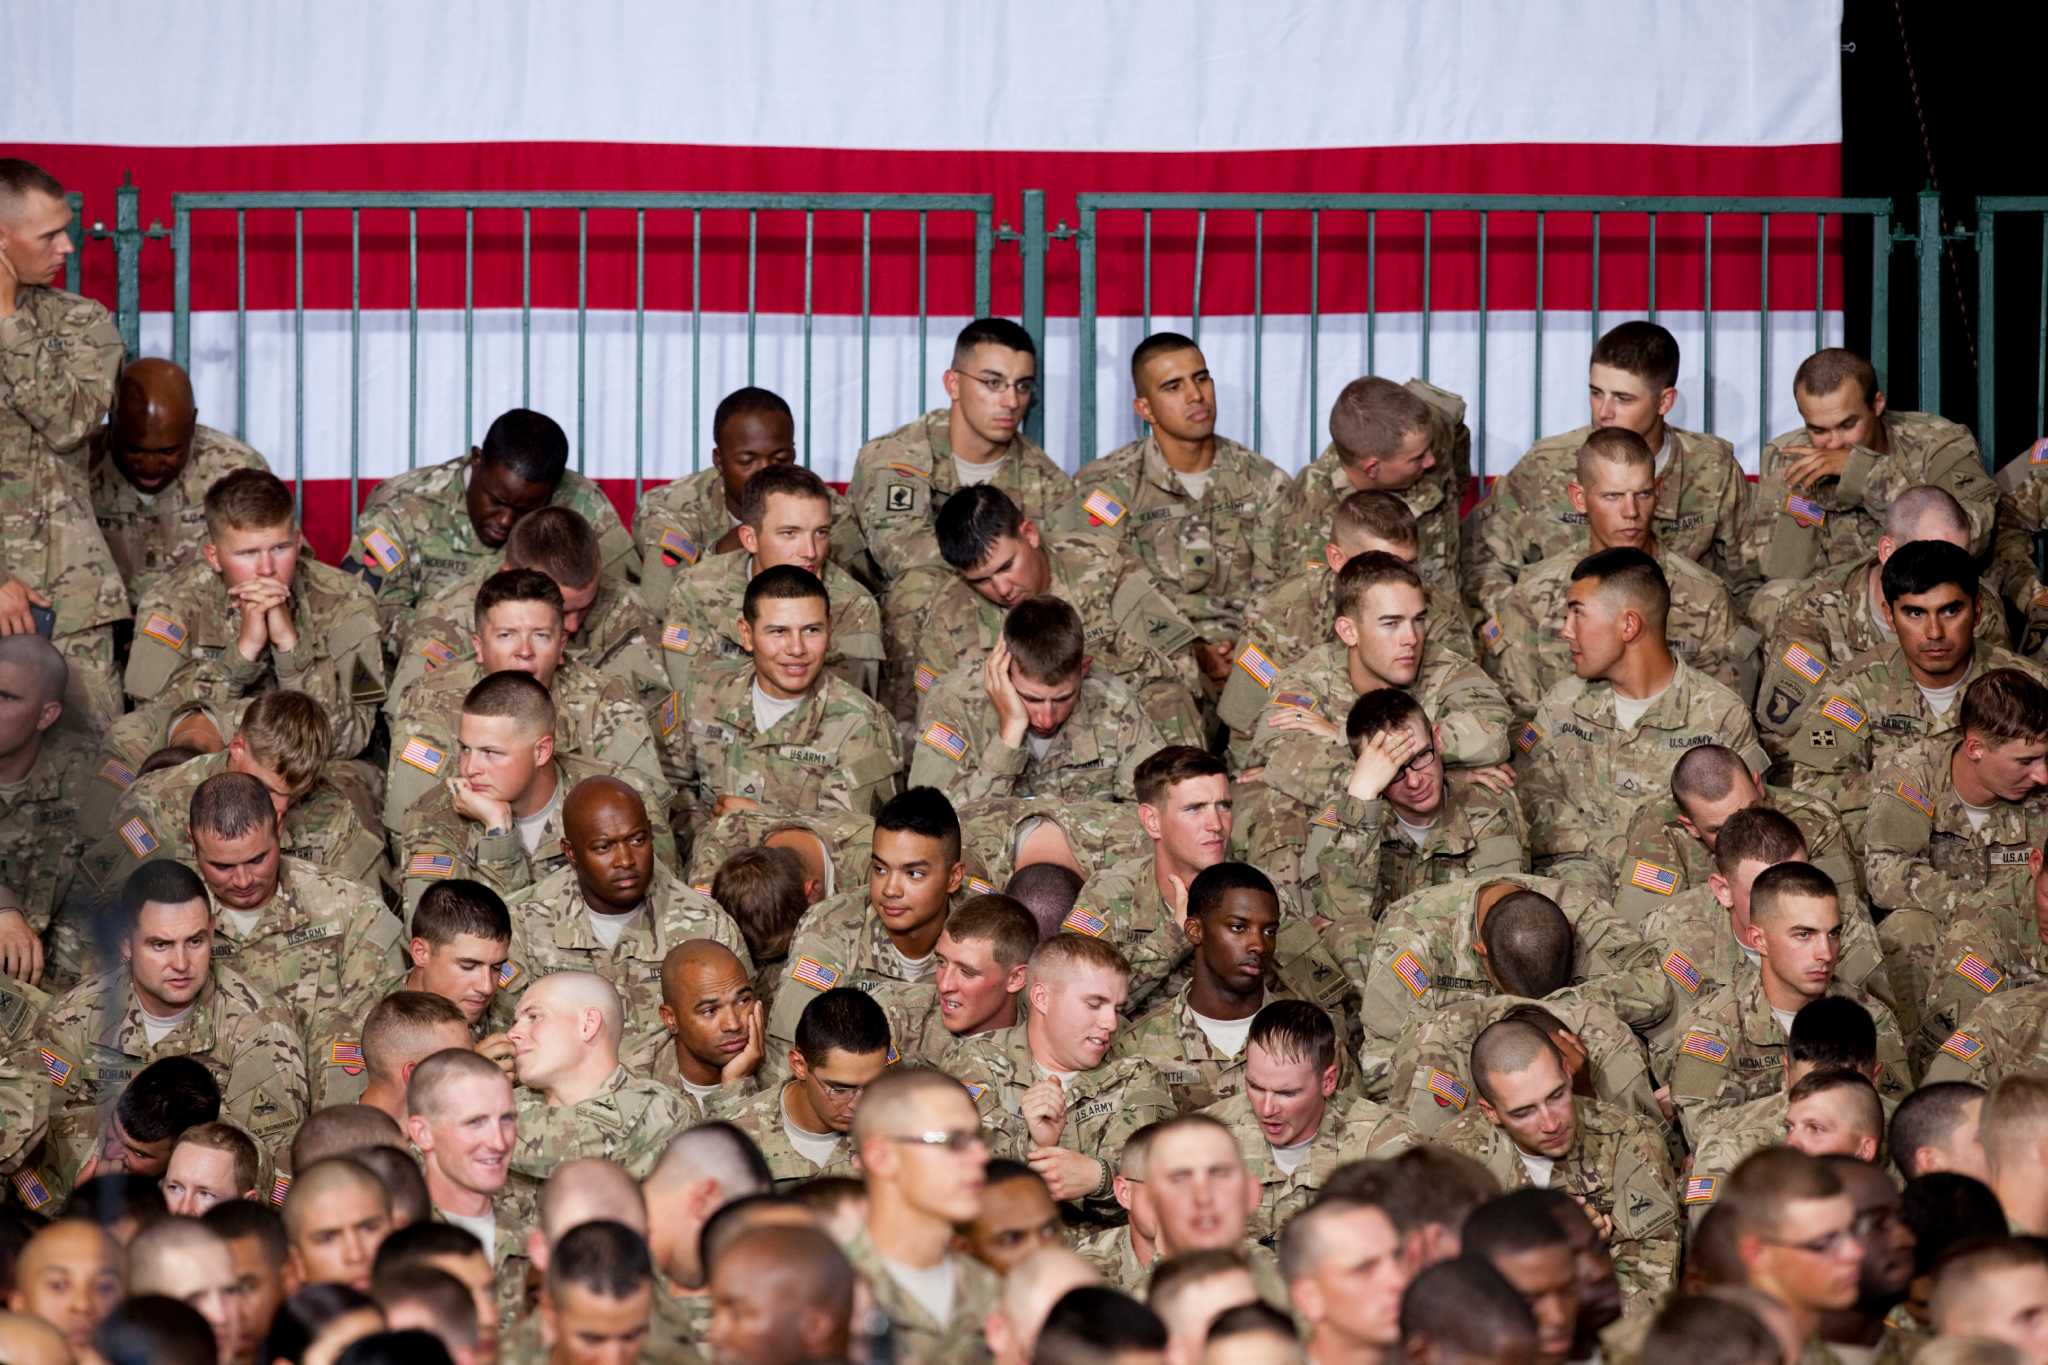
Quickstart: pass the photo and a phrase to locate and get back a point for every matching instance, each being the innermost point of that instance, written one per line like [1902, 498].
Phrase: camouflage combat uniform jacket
[700, 623]
[836, 751]
[629, 1121]
[676, 524]
[1093, 756]
[150, 534]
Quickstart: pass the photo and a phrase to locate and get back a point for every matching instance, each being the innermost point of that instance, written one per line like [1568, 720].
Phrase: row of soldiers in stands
[1570, 836]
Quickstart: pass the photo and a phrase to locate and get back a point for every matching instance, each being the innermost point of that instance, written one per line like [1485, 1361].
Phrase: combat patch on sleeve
[423, 756]
[1979, 973]
[1253, 661]
[165, 630]
[1804, 662]
[1653, 877]
[1914, 797]
[1704, 1046]
[1408, 970]
[946, 740]
[1103, 509]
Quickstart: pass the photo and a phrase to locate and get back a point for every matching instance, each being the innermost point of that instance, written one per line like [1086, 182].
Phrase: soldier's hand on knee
[21, 951]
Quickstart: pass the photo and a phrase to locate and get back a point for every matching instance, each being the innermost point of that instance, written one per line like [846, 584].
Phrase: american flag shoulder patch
[1804, 662]
[1979, 973]
[926, 678]
[1704, 1046]
[137, 836]
[1679, 968]
[1528, 739]
[2038, 452]
[165, 629]
[1253, 661]
[1081, 920]
[675, 638]
[1844, 713]
[1914, 797]
[347, 1054]
[975, 1089]
[1491, 632]
[118, 773]
[423, 756]
[56, 1068]
[677, 545]
[279, 1188]
[1653, 877]
[808, 971]
[1702, 1189]
[430, 865]
[28, 1183]
[437, 653]
[668, 713]
[1449, 1090]
[384, 549]
[980, 886]
[945, 739]
[1299, 701]
[508, 972]
[1103, 509]
[912, 470]
[1805, 510]
[1963, 1046]
[1327, 818]
[1408, 969]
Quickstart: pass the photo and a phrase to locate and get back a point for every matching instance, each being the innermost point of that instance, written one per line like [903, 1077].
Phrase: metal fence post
[1031, 260]
[128, 264]
[1987, 337]
[1928, 248]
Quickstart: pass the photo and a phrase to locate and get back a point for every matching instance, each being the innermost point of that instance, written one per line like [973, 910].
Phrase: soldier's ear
[418, 951]
[1329, 1082]
[749, 540]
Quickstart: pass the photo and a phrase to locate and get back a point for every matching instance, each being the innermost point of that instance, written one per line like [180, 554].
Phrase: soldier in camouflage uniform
[421, 530]
[1838, 733]
[167, 998]
[716, 1027]
[1824, 489]
[498, 818]
[2022, 515]
[596, 715]
[1398, 825]
[281, 744]
[1609, 1159]
[782, 733]
[1003, 834]
[1616, 491]
[463, 1120]
[149, 468]
[2006, 1034]
[251, 616]
[677, 524]
[1206, 516]
[1283, 625]
[1583, 771]
[1428, 467]
[615, 889]
[59, 358]
[801, 1126]
[786, 518]
[1700, 500]
[1731, 1041]
[577, 1098]
[1017, 1076]
[1031, 719]
[1429, 952]
[44, 772]
[1133, 632]
[1984, 953]
[833, 845]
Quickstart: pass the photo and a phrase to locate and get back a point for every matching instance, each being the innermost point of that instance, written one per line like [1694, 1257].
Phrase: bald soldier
[59, 357]
[576, 1098]
[43, 774]
[150, 467]
[614, 909]
[717, 1027]
[26, 1340]
[336, 1215]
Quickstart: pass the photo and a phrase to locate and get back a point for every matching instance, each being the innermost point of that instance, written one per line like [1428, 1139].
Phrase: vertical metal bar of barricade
[127, 265]
[1084, 239]
[984, 258]
[241, 325]
[1315, 325]
[924, 302]
[1652, 300]
[1258, 327]
[1707, 322]
[639, 353]
[526, 308]
[582, 332]
[1195, 303]
[355, 357]
[1880, 292]
[412, 333]
[1820, 280]
[1536, 406]
[1596, 275]
[696, 340]
[1428, 241]
[1479, 433]
[74, 264]
[1145, 269]
[181, 288]
[469, 327]
[1763, 335]
[1031, 250]
[299, 363]
[1372, 320]
[753, 279]
[2041, 345]
[1987, 340]
[867, 315]
[810, 320]
[1927, 250]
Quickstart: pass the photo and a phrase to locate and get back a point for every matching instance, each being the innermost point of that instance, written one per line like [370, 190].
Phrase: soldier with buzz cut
[1910, 691]
[421, 530]
[1823, 490]
[1699, 500]
[167, 997]
[251, 615]
[44, 771]
[1033, 718]
[612, 908]
[521, 628]
[283, 743]
[785, 518]
[1603, 741]
[1528, 1128]
[1407, 439]
[1954, 836]
[682, 522]
[1134, 633]
[59, 359]
[150, 467]
[1615, 489]
[1207, 517]
[783, 733]
[577, 1099]
[1727, 1044]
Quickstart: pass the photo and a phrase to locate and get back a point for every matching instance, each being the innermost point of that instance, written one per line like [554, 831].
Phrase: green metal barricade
[2018, 213]
[1875, 216]
[187, 207]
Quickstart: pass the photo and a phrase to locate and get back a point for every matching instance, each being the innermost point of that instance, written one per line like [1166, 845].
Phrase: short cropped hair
[289, 733]
[559, 542]
[1212, 884]
[1159, 343]
[1467, 1309]
[19, 178]
[1757, 834]
[517, 585]
[1372, 417]
[1295, 1031]
[1709, 1330]
[438, 1072]
[1095, 1323]
[157, 882]
[1706, 772]
[342, 1130]
[1173, 1275]
[236, 1219]
[168, 1097]
[763, 890]
[1046, 639]
[1048, 891]
[787, 480]
[1066, 951]
[401, 1024]
[1925, 507]
[783, 583]
[2005, 704]
[1785, 881]
[1520, 1220]
[1833, 1033]
[1764, 1182]
[1375, 514]
[992, 332]
[457, 908]
[1966, 1264]
[1923, 565]
[1380, 711]
[841, 1020]
[1364, 572]
[1871, 1109]
[925, 812]
[1419, 1188]
[446, 1300]
[1821, 373]
[1928, 1117]
[1636, 577]
[230, 805]
[604, 1257]
[971, 523]
[1010, 930]
[748, 400]
[247, 500]
[2014, 1119]
[1612, 445]
[1529, 944]
[1643, 349]
[529, 445]
[1508, 1046]
[225, 1137]
[1164, 769]
[511, 695]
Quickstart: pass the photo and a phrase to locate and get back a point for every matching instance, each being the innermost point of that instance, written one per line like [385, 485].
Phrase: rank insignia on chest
[1080, 921]
[1651, 877]
[1449, 1090]
[1261, 668]
[1962, 1046]
[1979, 973]
[1408, 971]
[1701, 1189]
[1704, 1046]
[808, 971]
[1804, 662]
[423, 756]
[677, 547]
[1806, 511]
[1844, 713]
[164, 630]
[136, 835]
[675, 638]
[1679, 968]
[1103, 509]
